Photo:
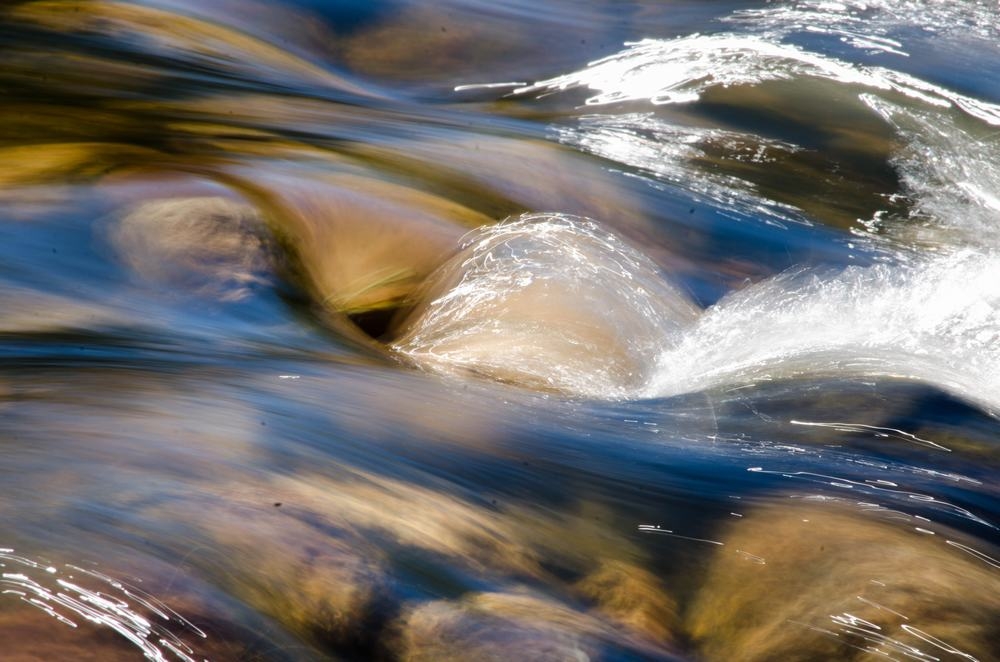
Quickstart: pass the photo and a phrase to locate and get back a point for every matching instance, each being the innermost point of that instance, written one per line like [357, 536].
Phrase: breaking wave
[929, 312]
[674, 71]
[934, 320]
[556, 302]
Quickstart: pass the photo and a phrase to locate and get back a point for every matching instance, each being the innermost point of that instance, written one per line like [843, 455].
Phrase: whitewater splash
[935, 320]
[626, 89]
[929, 311]
[557, 302]
[678, 71]
[855, 57]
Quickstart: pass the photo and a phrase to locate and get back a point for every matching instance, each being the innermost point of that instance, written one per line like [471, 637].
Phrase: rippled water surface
[499, 330]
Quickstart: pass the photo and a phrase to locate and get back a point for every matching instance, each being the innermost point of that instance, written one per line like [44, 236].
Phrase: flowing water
[390, 329]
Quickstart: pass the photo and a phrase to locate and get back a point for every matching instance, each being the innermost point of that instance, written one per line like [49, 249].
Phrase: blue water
[741, 404]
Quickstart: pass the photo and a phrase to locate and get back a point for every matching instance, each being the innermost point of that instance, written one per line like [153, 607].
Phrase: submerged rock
[548, 301]
[211, 245]
[508, 626]
[820, 580]
[359, 243]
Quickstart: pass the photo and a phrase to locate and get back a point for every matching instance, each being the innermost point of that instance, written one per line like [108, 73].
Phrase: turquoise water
[463, 330]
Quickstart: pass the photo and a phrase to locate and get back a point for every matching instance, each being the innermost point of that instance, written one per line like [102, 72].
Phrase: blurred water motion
[382, 330]
[492, 307]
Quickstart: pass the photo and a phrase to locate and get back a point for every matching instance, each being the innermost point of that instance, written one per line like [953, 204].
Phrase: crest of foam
[668, 71]
[951, 170]
[680, 70]
[936, 320]
[874, 25]
[547, 300]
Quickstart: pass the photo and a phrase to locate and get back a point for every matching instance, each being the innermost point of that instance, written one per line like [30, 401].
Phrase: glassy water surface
[499, 330]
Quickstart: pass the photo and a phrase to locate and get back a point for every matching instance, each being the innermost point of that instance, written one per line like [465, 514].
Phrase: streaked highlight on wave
[74, 596]
[665, 151]
[677, 71]
[548, 300]
[935, 320]
[556, 302]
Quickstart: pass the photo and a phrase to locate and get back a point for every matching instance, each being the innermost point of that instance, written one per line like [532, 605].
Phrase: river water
[451, 330]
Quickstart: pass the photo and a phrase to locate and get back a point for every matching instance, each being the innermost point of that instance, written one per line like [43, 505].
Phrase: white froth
[671, 71]
[936, 320]
[875, 25]
[951, 170]
[930, 312]
[680, 70]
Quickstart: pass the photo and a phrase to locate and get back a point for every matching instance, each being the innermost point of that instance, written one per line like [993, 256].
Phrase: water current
[465, 330]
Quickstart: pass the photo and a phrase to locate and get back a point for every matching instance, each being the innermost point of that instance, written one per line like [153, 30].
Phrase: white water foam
[881, 26]
[672, 71]
[556, 302]
[935, 320]
[679, 71]
[951, 170]
[668, 71]
[931, 312]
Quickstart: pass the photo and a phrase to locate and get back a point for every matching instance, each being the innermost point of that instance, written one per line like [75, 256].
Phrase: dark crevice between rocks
[376, 323]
